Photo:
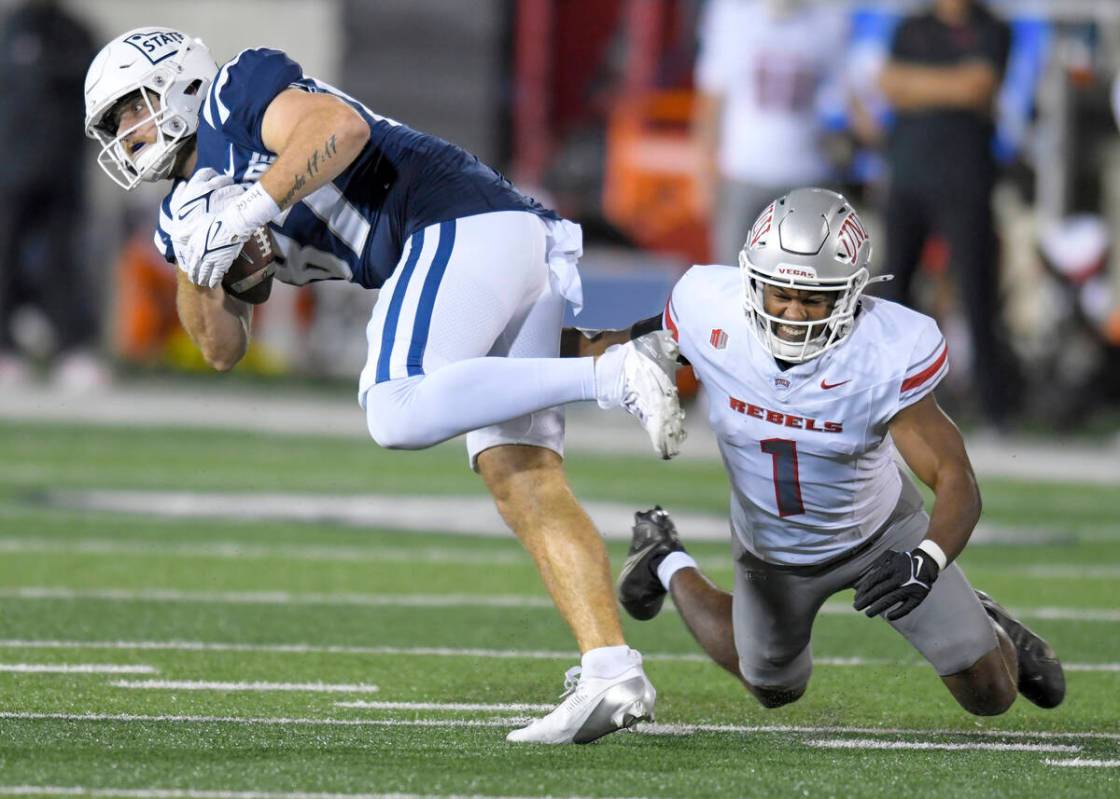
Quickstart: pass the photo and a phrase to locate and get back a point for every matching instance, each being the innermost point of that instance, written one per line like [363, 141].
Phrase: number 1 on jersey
[787, 485]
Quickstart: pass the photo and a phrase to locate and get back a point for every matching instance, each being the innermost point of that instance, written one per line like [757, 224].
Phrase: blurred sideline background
[589, 105]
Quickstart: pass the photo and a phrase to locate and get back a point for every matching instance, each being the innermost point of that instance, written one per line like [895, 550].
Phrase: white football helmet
[172, 73]
[808, 240]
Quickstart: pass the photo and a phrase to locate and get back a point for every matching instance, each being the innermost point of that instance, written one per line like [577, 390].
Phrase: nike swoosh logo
[826, 385]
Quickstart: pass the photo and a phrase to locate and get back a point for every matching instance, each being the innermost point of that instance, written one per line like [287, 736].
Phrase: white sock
[608, 377]
[609, 661]
[673, 563]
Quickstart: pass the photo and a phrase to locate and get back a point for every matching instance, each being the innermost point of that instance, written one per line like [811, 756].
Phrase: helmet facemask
[810, 241]
[821, 334]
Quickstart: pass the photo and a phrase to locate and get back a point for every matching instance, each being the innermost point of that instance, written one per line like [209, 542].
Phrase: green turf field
[148, 656]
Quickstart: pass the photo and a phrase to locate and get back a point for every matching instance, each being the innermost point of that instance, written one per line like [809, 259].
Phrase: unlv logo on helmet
[852, 235]
[762, 225]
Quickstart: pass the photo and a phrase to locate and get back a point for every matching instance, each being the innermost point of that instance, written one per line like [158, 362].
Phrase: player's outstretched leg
[1041, 679]
[658, 559]
[609, 691]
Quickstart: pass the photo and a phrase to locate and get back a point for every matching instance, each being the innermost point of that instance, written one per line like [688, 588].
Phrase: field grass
[436, 621]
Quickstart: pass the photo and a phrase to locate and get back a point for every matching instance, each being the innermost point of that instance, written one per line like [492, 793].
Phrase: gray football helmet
[808, 240]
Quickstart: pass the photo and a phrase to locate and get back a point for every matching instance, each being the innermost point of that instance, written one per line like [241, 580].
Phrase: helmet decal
[156, 45]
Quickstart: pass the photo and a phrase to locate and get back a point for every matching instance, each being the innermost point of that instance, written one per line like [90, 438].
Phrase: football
[249, 278]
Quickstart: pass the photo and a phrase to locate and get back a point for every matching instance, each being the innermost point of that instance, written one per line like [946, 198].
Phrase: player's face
[797, 306]
[132, 111]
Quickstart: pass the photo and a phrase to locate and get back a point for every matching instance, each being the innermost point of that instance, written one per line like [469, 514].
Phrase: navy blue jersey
[353, 228]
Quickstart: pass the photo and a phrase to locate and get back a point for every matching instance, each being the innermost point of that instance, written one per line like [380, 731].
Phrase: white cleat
[593, 707]
[637, 376]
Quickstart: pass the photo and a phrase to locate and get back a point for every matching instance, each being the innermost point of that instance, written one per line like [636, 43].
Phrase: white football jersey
[807, 447]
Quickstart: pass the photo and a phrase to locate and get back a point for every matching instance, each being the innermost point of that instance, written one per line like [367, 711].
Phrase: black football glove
[896, 578]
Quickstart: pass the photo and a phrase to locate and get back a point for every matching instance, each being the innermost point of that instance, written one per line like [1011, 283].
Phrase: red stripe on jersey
[924, 375]
[670, 322]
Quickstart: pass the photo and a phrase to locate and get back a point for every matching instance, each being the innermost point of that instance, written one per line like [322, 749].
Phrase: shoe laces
[571, 681]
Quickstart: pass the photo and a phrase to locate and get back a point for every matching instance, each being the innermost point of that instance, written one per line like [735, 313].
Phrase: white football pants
[465, 335]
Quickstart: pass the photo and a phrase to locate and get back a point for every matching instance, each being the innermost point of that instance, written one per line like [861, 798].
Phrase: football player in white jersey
[812, 392]
[474, 278]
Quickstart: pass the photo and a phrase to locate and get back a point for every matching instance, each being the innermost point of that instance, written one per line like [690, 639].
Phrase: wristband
[931, 548]
[255, 209]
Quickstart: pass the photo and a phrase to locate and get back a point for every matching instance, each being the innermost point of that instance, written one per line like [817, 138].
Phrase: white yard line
[423, 651]
[1083, 762]
[192, 793]
[519, 601]
[1062, 571]
[654, 729]
[245, 550]
[1046, 613]
[197, 685]
[871, 743]
[279, 598]
[75, 668]
[689, 729]
[416, 651]
[239, 550]
[447, 706]
[473, 515]
[254, 720]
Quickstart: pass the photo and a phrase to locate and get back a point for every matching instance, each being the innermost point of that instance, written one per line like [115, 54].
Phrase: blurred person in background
[944, 72]
[43, 55]
[765, 71]
[474, 279]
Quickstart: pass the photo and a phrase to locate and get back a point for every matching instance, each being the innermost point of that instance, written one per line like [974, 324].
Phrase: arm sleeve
[653, 323]
[929, 363]
[669, 319]
[244, 89]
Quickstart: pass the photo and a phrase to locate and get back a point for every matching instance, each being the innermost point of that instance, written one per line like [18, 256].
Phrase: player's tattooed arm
[315, 137]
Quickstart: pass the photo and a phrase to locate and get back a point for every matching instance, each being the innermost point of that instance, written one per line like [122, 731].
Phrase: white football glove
[211, 241]
[194, 209]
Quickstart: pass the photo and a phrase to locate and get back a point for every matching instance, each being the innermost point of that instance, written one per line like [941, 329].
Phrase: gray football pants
[774, 606]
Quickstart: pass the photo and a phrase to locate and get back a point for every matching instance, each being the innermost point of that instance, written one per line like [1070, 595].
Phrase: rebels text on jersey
[807, 448]
[353, 228]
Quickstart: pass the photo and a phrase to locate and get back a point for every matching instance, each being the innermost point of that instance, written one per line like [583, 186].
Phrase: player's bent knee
[985, 688]
[392, 423]
[995, 703]
[773, 696]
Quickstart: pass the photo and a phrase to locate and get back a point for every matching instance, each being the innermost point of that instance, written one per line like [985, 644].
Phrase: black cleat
[654, 537]
[1041, 679]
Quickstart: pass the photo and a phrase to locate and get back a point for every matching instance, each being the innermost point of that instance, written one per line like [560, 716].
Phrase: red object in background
[565, 75]
[650, 188]
[145, 303]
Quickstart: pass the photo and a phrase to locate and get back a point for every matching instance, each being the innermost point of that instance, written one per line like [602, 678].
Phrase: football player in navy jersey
[473, 276]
